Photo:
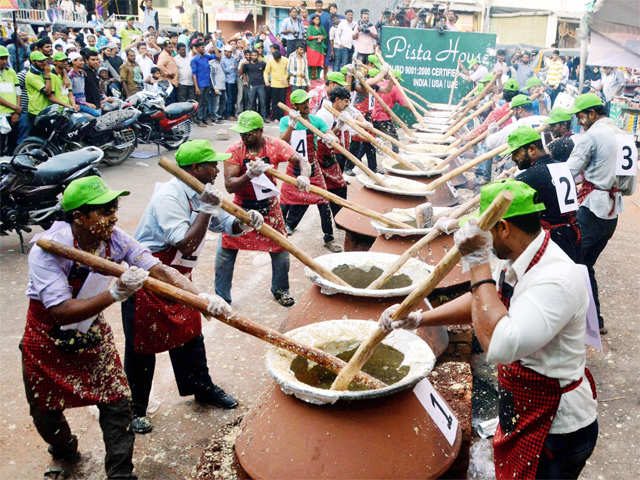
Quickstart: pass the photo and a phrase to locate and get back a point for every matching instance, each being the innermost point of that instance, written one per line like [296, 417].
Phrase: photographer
[408, 14]
[364, 36]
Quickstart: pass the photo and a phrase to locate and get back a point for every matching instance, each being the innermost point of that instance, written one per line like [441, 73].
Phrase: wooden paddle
[457, 126]
[234, 320]
[367, 136]
[456, 212]
[266, 230]
[411, 92]
[370, 173]
[494, 212]
[453, 85]
[473, 103]
[341, 201]
[386, 107]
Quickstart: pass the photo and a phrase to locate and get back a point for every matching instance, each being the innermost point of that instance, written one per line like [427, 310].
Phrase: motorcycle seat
[116, 120]
[178, 109]
[59, 167]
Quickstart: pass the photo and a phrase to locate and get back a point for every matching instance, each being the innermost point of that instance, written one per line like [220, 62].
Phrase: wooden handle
[494, 212]
[396, 82]
[266, 230]
[341, 201]
[461, 123]
[182, 296]
[382, 135]
[425, 111]
[419, 97]
[367, 136]
[475, 101]
[453, 85]
[469, 95]
[386, 107]
[370, 173]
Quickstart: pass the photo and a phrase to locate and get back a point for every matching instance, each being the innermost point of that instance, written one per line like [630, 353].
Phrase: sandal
[603, 331]
[141, 425]
[56, 473]
[333, 246]
[284, 298]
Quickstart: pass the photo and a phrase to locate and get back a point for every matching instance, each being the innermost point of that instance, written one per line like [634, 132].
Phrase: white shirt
[341, 126]
[344, 34]
[546, 327]
[501, 136]
[184, 69]
[478, 73]
[502, 69]
[146, 64]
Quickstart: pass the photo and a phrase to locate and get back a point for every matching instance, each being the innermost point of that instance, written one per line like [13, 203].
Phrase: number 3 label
[437, 409]
[565, 187]
[299, 143]
[627, 156]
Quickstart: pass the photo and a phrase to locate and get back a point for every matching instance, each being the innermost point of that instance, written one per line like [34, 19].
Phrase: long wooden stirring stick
[494, 212]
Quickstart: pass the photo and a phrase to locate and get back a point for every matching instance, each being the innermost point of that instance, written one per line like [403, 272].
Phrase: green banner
[428, 59]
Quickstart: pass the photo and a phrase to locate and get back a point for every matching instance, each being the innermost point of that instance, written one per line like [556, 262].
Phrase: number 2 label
[627, 156]
[565, 187]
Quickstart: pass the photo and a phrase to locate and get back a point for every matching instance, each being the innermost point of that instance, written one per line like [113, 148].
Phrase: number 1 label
[437, 409]
[565, 187]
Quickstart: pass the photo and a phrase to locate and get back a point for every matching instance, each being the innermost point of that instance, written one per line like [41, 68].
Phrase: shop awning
[231, 15]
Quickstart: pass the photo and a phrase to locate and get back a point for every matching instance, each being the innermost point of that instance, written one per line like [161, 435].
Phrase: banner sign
[428, 59]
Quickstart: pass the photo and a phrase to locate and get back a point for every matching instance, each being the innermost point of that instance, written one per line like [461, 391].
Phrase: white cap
[161, 40]
[227, 48]
[218, 31]
[74, 56]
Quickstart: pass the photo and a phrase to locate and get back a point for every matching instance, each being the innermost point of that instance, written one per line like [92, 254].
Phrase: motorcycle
[58, 129]
[160, 124]
[29, 193]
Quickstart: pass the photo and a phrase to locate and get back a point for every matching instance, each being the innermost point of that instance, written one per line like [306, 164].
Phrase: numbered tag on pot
[565, 186]
[371, 101]
[452, 189]
[627, 156]
[437, 409]
[299, 143]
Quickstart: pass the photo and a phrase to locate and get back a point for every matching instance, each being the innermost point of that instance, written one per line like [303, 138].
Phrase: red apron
[61, 380]
[587, 187]
[290, 195]
[330, 167]
[160, 324]
[571, 222]
[528, 404]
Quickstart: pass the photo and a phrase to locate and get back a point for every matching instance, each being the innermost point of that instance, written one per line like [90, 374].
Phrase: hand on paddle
[257, 168]
[474, 244]
[294, 118]
[128, 283]
[304, 184]
[387, 323]
[446, 225]
[210, 199]
[328, 138]
[255, 221]
[216, 306]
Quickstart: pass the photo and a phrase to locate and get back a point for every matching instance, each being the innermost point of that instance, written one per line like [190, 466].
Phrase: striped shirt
[298, 71]
[24, 98]
[554, 73]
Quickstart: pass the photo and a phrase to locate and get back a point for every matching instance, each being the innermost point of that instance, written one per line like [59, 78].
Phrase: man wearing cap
[529, 316]
[321, 93]
[229, 63]
[526, 149]
[129, 33]
[502, 107]
[68, 351]
[77, 76]
[474, 71]
[295, 202]
[9, 99]
[276, 80]
[173, 227]
[541, 101]
[38, 84]
[250, 158]
[522, 109]
[61, 93]
[595, 157]
[559, 122]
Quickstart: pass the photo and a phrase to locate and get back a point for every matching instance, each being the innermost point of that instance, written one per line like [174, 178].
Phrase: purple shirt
[48, 273]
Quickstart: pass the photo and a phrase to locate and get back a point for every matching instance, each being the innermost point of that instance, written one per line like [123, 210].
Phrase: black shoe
[217, 397]
[289, 230]
[141, 425]
[284, 298]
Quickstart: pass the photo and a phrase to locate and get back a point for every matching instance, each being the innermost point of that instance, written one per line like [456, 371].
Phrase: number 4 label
[627, 156]
[437, 409]
[565, 187]
[299, 143]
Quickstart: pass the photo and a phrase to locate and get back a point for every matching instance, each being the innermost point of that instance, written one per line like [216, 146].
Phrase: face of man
[300, 50]
[47, 49]
[130, 24]
[365, 17]
[293, 13]
[252, 138]
[94, 62]
[155, 75]
[148, 3]
[523, 157]
[200, 49]
[142, 49]
[318, 7]
[333, 10]
[303, 108]
[131, 56]
[227, 53]
[3, 62]
[100, 222]
[500, 58]
[254, 57]
[558, 129]
[349, 16]
[340, 104]
[233, 44]
[91, 41]
[587, 118]
[60, 64]
[525, 58]
[498, 232]
[205, 172]
[182, 51]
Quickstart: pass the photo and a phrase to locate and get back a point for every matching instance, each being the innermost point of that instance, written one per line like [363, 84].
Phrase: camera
[365, 26]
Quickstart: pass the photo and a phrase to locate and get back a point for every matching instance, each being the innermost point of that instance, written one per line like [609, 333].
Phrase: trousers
[293, 215]
[360, 149]
[564, 455]
[189, 362]
[258, 99]
[341, 192]
[230, 103]
[204, 102]
[278, 95]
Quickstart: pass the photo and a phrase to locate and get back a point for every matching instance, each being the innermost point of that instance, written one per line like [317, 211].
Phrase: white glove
[294, 117]
[255, 221]
[493, 128]
[344, 117]
[303, 183]
[128, 283]
[329, 138]
[387, 323]
[210, 199]
[446, 225]
[257, 168]
[474, 244]
[305, 168]
[386, 69]
[216, 306]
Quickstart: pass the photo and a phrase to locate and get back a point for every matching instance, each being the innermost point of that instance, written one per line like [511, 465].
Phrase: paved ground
[182, 428]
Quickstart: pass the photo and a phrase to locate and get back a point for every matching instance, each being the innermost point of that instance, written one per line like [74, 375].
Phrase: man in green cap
[559, 122]
[68, 351]
[245, 176]
[473, 72]
[555, 186]
[38, 84]
[129, 33]
[501, 108]
[173, 227]
[295, 202]
[529, 317]
[319, 94]
[594, 156]
[9, 101]
[539, 97]
[61, 92]
[522, 108]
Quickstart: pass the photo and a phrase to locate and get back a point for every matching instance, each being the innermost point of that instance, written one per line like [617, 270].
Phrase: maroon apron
[160, 324]
[528, 404]
[587, 187]
[61, 380]
[290, 195]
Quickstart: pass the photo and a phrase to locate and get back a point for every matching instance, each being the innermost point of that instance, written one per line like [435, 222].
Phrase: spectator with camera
[365, 36]
[291, 31]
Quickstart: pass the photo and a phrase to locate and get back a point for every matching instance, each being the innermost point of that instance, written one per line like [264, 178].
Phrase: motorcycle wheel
[183, 131]
[116, 157]
[28, 145]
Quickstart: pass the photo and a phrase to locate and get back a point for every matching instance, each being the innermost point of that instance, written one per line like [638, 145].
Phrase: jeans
[226, 259]
[214, 104]
[359, 149]
[204, 102]
[278, 95]
[230, 100]
[258, 95]
[25, 124]
[342, 58]
[243, 97]
[595, 232]
[388, 127]
[564, 455]
[185, 92]
[89, 110]
[293, 215]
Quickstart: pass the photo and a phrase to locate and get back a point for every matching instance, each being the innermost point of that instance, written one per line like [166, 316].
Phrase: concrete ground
[183, 428]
